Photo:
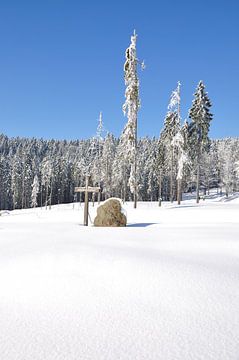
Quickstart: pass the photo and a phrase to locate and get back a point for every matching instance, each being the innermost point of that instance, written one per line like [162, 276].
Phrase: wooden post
[86, 207]
[87, 189]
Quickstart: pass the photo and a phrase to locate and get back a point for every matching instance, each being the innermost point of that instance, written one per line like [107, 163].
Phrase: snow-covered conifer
[171, 128]
[130, 108]
[178, 144]
[199, 127]
[35, 191]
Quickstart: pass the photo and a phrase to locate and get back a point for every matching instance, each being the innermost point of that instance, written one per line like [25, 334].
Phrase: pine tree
[198, 128]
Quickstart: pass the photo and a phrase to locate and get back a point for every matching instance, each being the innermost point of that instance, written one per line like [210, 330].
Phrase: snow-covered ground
[165, 287]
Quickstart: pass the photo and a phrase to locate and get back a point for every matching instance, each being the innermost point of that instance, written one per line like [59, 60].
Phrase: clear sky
[61, 63]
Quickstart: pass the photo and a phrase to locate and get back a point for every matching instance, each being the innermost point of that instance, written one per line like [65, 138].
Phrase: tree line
[37, 172]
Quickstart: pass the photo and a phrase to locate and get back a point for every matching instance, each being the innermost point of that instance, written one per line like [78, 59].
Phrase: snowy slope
[165, 287]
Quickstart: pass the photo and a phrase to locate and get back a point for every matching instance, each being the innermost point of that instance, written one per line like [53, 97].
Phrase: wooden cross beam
[87, 189]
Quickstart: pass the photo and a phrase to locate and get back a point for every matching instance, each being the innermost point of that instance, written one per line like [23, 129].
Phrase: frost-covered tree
[35, 191]
[120, 171]
[95, 155]
[16, 180]
[130, 108]
[5, 182]
[160, 167]
[46, 181]
[170, 129]
[178, 143]
[198, 129]
[108, 154]
[228, 159]
[100, 127]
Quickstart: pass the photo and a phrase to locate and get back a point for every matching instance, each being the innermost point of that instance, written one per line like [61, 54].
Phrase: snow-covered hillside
[165, 287]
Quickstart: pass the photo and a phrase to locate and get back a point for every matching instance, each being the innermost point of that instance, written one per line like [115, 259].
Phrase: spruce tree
[171, 128]
[35, 191]
[198, 128]
[130, 108]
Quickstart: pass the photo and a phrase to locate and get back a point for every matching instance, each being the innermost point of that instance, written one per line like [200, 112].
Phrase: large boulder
[110, 214]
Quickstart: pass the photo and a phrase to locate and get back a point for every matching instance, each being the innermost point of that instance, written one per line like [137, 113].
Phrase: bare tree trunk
[227, 191]
[125, 185]
[160, 188]
[41, 196]
[197, 184]
[14, 202]
[50, 197]
[171, 177]
[23, 190]
[135, 167]
[46, 200]
[179, 191]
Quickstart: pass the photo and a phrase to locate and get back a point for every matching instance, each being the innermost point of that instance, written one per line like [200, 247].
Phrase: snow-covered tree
[182, 158]
[100, 128]
[160, 166]
[120, 171]
[35, 191]
[228, 159]
[198, 128]
[108, 154]
[130, 108]
[46, 180]
[171, 128]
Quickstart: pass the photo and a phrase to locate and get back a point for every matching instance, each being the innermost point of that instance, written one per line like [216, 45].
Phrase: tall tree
[198, 128]
[35, 191]
[171, 128]
[160, 166]
[108, 155]
[178, 143]
[130, 108]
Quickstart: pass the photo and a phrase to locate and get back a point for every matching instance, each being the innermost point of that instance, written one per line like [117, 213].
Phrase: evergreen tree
[198, 128]
[108, 155]
[130, 107]
[35, 191]
[178, 143]
[171, 128]
[120, 171]
[160, 167]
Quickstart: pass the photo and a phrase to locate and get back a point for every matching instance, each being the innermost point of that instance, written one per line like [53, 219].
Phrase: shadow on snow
[141, 224]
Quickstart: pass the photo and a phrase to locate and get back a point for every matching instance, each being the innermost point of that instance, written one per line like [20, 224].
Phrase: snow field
[165, 287]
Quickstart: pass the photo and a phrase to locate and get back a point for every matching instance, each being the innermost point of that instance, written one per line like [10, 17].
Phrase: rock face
[110, 214]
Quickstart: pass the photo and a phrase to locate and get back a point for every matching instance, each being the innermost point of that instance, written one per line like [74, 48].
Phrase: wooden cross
[87, 189]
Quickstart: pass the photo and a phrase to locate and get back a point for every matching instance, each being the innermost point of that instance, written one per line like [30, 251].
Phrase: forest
[37, 172]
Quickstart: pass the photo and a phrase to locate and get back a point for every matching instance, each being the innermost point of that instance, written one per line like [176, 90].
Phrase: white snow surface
[164, 287]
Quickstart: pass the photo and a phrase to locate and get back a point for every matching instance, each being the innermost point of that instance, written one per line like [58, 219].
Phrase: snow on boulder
[110, 213]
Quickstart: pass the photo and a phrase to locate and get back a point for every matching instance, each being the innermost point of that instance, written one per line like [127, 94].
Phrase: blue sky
[61, 63]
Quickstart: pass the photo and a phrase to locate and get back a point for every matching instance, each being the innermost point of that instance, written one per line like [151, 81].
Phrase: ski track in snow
[165, 287]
